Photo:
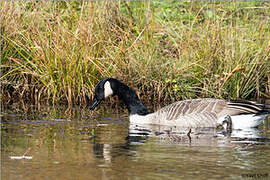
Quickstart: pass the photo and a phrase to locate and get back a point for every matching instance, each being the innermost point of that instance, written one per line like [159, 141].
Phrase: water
[51, 143]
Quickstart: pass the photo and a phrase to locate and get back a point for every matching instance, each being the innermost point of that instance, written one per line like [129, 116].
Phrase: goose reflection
[197, 136]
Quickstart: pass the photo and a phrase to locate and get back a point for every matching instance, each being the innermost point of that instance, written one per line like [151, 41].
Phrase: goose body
[207, 112]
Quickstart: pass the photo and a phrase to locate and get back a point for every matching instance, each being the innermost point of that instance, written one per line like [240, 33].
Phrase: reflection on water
[48, 144]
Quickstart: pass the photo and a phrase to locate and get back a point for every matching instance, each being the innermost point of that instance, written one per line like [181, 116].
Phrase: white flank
[238, 122]
[107, 89]
[247, 121]
[244, 121]
[150, 119]
[140, 119]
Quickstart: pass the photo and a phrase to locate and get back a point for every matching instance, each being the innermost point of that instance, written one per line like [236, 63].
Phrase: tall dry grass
[57, 51]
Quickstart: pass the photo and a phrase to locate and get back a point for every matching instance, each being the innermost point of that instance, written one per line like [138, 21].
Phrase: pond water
[54, 143]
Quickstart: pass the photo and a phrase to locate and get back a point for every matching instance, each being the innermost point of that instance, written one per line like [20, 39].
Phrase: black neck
[130, 98]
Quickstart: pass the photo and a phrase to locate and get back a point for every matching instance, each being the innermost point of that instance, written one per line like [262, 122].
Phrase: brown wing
[195, 112]
[193, 106]
[204, 112]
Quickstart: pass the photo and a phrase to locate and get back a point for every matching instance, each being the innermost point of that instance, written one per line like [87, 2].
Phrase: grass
[55, 52]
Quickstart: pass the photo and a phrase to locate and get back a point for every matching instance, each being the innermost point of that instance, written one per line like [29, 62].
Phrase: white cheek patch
[107, 89]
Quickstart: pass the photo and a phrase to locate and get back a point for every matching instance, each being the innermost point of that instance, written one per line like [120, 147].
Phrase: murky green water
[53, 144]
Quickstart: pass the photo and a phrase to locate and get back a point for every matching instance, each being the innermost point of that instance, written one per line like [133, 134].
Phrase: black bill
[94, 104]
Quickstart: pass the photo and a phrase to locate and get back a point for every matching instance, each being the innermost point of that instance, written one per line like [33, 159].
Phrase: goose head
[103, 89]
[110, 87]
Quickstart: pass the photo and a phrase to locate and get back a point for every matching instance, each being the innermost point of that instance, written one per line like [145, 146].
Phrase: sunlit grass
[57, 51]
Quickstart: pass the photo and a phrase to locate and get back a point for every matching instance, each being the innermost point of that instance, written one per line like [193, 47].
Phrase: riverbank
[56, 52]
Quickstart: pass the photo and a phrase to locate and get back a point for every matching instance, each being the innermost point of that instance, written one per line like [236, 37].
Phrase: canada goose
[192, 113]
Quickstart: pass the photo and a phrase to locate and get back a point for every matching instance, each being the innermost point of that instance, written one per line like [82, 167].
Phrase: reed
[57, 51]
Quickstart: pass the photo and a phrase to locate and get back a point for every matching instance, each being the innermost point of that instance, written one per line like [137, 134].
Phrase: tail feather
[267, 107]
[249, 107]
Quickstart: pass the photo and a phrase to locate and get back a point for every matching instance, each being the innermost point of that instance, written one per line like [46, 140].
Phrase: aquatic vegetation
[57, 51]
